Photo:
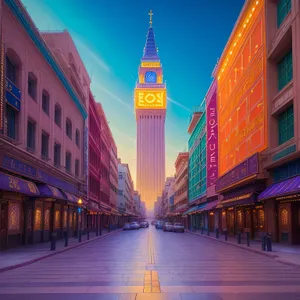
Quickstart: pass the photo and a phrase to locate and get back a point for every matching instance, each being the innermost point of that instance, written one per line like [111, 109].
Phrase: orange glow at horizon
[242, 91]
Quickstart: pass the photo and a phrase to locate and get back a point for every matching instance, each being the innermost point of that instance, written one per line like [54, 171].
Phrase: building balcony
[283, 33]
[197, 112]
[281, 154]
[282, 98]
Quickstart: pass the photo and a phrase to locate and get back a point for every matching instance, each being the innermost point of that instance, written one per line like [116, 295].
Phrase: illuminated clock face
[150, 77]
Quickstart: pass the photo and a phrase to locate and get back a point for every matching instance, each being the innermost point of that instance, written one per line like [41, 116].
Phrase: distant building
[125, 186]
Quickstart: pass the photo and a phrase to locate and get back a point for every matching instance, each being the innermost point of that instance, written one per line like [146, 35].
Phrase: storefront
[282, 203]
[239, 209]
[33, 208]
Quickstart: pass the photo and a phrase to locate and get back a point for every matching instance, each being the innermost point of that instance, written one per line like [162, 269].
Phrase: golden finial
[150, 14]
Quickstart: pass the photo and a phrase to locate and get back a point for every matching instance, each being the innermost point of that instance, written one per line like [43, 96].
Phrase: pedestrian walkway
[24, 255]
[283, 253]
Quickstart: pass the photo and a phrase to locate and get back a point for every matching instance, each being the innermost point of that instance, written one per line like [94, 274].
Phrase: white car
[134, 225]
[178, 227]
[126, 226]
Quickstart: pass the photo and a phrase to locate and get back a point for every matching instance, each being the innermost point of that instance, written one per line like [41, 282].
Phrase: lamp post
[79, 219]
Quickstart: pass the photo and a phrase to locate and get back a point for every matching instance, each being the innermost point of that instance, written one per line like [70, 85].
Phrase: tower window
[150, 77]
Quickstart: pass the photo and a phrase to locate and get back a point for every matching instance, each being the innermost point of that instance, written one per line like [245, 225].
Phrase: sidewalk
[25, 255]
[282, 253]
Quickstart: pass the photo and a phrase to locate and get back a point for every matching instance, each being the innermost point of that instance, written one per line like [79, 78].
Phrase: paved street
[150, 264]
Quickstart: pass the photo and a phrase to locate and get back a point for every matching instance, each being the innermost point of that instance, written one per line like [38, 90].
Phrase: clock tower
[150, 108]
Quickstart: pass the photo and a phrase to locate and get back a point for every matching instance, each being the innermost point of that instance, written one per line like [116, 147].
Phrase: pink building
[105, 159]
[94, 153]
[282, 159]
[43, 141]
[150, 106]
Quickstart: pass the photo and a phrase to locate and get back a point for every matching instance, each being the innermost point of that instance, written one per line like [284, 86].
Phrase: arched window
[150, 77]
[13, 74]
[77, 138]
[32, 85]
[69, 128]
[57, 115]
[46, 102]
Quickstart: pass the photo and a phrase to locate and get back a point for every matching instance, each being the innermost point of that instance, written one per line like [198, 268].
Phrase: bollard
[248, 239]
[263, 243]
[269, 242]
[239, 238]
[217, 233]
[53, 241]
[225, 234]
[66, 238]
[79, 236]
[88, 234]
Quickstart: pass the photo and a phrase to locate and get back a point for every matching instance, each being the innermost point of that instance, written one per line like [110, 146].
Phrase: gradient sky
[110, 36]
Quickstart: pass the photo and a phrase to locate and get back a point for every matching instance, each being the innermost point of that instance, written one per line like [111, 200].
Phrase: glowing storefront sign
[150, 99]
[242, 107]
[212, 136]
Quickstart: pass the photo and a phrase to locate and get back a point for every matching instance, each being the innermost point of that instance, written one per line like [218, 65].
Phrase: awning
[70, 197]
[237, 201]
[283, 188]
[194, 209]
[50, 191]
[15, 184]
[211, 205]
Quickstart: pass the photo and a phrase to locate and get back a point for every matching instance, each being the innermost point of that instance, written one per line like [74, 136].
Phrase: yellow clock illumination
[150, 99]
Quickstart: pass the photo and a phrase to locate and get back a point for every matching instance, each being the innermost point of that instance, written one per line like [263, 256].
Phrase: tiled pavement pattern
[187, 267]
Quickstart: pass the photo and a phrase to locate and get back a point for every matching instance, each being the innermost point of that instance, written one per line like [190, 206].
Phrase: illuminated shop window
[284, 217]
[70, 219]
[47, 219]
[57, 219]
[38, 219]
[261, 218]
[65, 218]
[286, 125]
[14, 217]
[285, 70]
[283, 8]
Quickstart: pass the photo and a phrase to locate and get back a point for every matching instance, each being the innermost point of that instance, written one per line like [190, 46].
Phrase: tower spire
[150, 14]
[150, 50]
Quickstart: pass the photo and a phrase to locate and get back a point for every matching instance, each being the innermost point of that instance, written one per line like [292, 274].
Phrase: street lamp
[79, 219]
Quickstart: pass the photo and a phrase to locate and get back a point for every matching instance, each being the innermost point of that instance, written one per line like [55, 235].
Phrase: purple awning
[15, 184]
[70, 197]
[282, 188]
[50, 191]
[238, 201]
[211, 205]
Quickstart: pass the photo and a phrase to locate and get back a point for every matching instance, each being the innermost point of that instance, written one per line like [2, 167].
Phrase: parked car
[168, 226]
[178, 227]
[159, 225]
[134, 225]
[154, 222]
[144, 224]
[126, 226]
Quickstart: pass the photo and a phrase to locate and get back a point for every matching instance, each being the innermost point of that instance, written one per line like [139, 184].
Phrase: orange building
[242, 121]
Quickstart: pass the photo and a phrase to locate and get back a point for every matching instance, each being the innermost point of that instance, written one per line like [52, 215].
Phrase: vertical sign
[86, 158]
[212, 136]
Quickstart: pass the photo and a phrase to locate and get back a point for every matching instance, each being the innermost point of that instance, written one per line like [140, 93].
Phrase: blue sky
[110, 36]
